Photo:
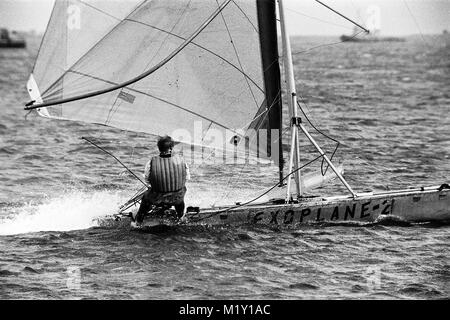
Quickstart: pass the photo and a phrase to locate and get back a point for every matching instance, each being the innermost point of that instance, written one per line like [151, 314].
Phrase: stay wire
[113, 156]
[265, 113]
[329, 44]
[260, 196]
[340, 14]
[326, 136]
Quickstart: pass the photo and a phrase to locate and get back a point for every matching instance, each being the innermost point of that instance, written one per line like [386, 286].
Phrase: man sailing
[167, 175]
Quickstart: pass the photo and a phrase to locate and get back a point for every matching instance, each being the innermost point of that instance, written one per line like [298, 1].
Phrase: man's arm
[147, 169]
[188, 173]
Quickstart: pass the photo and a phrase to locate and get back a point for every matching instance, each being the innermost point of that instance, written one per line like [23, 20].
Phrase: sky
[305, 17]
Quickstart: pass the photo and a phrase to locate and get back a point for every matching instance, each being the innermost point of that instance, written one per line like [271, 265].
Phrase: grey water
[387, 103]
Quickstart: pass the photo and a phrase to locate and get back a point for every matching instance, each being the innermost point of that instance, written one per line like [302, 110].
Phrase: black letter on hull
[318, 218]
[257, 217]
[274, 217]
[305, 212]
[349, 212]
[290, 214]
[387, 210]
[335, 215]
[364, 208]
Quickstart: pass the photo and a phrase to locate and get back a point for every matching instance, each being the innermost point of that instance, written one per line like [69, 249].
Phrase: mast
[294, 157]
[268, 37]
[296, 123]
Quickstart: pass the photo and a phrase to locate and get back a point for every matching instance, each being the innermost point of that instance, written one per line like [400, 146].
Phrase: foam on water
[77, 210]
[74, 210]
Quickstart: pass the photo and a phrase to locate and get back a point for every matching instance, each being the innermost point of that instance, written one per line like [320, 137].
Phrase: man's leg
[144, 207]
[180, 209]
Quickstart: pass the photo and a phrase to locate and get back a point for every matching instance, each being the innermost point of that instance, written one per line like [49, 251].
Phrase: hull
[12, 44]
[414, 205]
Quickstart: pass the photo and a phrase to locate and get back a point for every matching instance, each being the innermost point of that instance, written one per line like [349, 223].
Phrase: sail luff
[93, 47]
[31, 106]
[45, 33]
[267, 25]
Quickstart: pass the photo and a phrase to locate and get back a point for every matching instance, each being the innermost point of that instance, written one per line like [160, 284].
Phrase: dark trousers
[151, 198]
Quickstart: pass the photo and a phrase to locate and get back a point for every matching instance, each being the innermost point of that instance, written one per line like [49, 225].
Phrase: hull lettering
[350, 212]
[335, 215]
[305, 212]
[258, 217]
[318, 218]
[274, 217]
[288, 217]
[364, 208]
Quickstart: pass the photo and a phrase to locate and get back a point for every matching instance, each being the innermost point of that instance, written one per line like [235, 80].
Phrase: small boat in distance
[373, 24]
[11, 39]
[372, 37]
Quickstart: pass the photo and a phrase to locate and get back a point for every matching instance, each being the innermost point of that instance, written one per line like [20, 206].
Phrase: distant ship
[373, 23]
[11, 39]
[370, 38]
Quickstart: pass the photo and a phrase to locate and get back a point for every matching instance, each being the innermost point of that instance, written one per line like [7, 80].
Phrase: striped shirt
[148, 168]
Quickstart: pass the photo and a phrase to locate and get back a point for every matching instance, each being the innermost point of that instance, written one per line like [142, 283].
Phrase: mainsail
[206, 71]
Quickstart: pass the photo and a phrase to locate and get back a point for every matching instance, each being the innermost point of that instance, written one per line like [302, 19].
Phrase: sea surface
[387, 103]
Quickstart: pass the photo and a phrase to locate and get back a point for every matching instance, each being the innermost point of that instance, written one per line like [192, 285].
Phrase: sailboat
[373, 37]
[11, 39]
[207, 73]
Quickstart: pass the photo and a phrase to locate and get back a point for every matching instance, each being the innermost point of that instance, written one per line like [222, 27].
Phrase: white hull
[410, 205]
[413, 205]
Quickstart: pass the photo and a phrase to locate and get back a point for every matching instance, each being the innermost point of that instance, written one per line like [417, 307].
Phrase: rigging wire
[237, 55]
[325, 135]
[258, 197]
[113, 156]
[265, 113]
[314, 18]
[415, 21]
[346, 18]
[329, 44]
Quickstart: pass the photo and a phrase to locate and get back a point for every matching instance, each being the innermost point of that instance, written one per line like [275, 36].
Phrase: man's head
[165, 144]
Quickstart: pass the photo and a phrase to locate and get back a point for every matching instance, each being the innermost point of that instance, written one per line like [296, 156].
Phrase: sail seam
[114, 109]
[92, 48]
[168, 33]
[45, 34]
[157, 98]
[237, 56]
[202, 47]
[240, 9]
[141, 76]
[99, 10]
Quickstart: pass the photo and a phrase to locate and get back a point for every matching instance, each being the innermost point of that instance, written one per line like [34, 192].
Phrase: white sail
[213, 86]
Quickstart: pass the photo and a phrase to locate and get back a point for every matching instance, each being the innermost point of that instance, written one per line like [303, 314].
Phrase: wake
[74, 210]
[80, 210]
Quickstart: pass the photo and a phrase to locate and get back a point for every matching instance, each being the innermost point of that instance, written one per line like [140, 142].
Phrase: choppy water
[389, 105]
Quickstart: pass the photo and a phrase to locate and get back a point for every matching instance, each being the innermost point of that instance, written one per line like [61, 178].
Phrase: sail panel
[74, 28]
[215, 82]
